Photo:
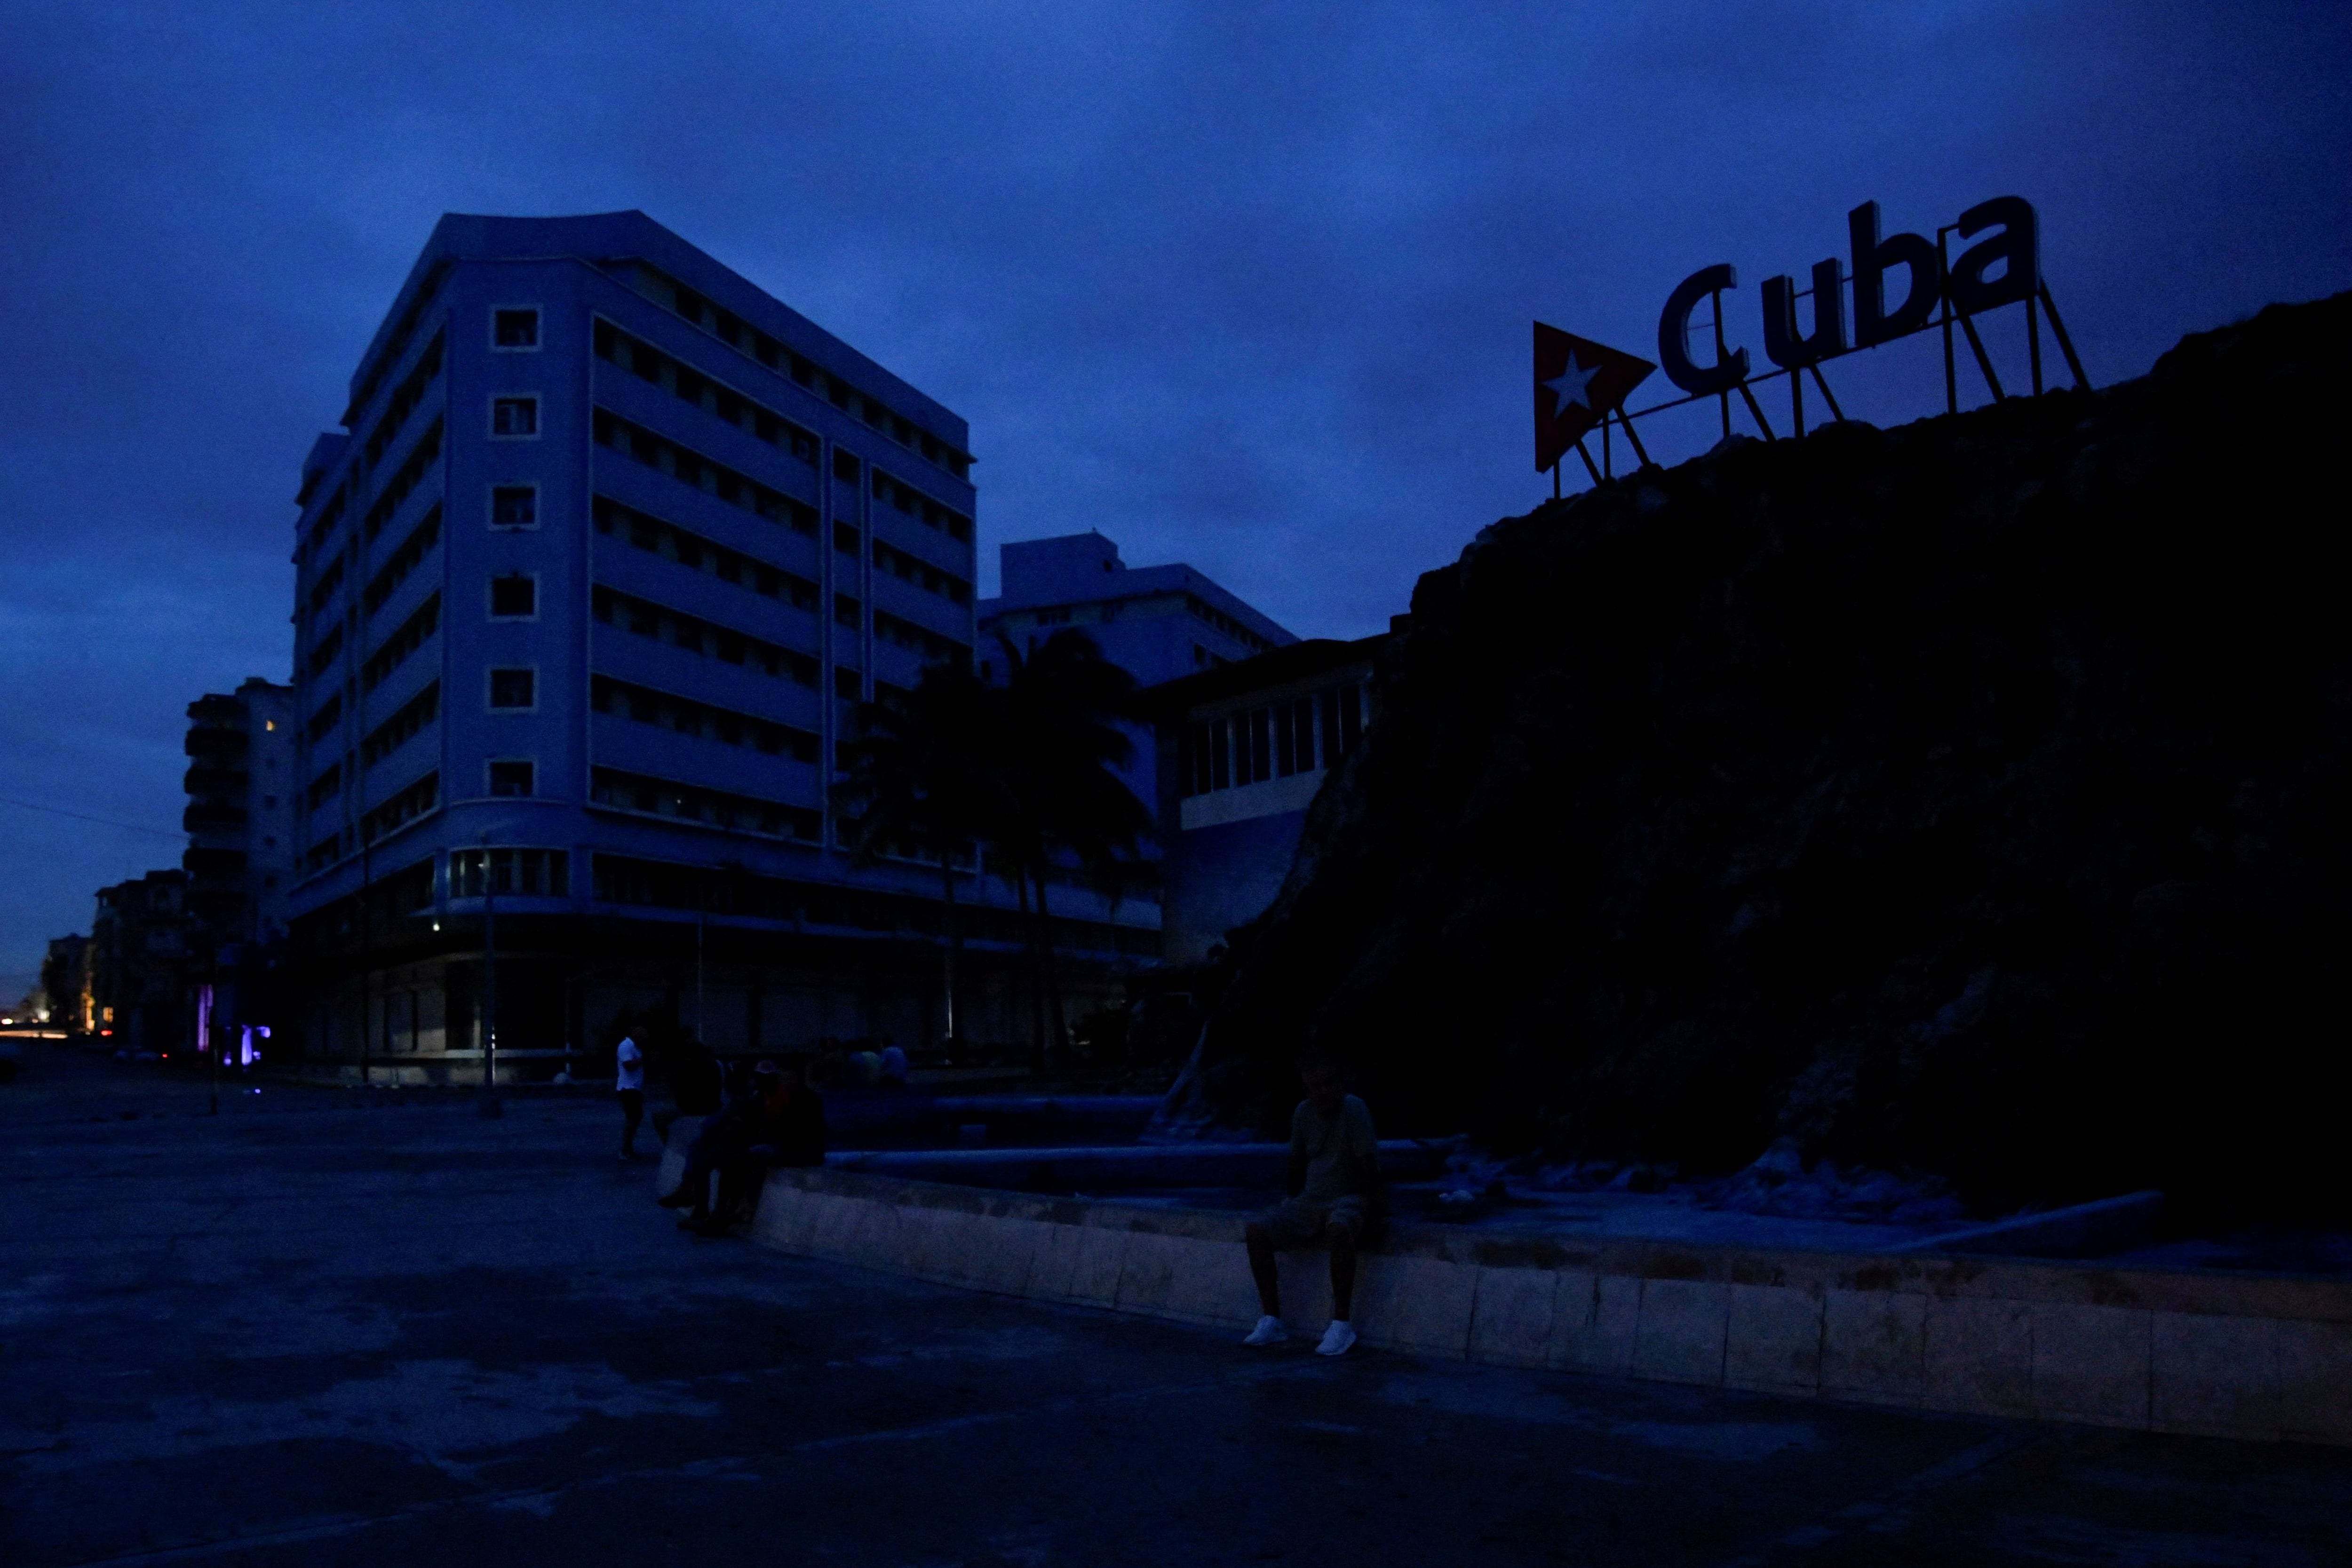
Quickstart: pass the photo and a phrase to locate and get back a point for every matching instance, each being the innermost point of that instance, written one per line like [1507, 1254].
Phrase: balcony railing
[202, 780]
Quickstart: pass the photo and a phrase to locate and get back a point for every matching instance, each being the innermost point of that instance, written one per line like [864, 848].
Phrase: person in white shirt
[630, 1085]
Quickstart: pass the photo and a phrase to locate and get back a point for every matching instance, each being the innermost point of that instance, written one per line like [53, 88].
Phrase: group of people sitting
[774, 1117]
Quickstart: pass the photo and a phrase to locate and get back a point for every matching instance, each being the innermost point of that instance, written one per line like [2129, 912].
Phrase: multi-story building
[1242, 749]
[1157, 622]
[590, 586]
[240, 811]
[65, 977]
[139, 965]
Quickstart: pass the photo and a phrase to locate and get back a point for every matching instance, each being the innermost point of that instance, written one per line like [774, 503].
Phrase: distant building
[138, 963]
[1157, 622]
[1242, 750]
[240, 813]
[65, 977]
[588, 589]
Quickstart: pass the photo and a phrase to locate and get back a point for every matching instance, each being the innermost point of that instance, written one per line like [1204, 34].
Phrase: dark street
[329, 1328]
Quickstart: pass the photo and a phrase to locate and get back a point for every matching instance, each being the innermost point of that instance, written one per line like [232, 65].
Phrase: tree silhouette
[926, 776]
[1062, 802]
[1026, 769]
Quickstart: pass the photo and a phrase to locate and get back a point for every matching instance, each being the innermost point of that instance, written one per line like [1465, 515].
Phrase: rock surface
[1967, 798]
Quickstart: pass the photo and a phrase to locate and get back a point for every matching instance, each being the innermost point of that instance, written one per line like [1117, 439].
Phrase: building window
[514, 417]
[510, 778]
[515, 328]
[546, 872]
[1253, 755]
[514, 597]
[845, 684]
[1294, 746]
[845, 466]
[514, 506]
[1343, 720]
[514, 689]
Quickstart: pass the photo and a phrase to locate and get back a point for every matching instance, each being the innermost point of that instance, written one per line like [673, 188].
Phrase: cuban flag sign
[1578, 382]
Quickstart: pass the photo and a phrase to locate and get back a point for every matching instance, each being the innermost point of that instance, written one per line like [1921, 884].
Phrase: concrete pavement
[377, 1329]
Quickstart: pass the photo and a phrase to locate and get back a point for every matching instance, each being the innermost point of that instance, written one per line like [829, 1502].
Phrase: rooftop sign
[1580, 384]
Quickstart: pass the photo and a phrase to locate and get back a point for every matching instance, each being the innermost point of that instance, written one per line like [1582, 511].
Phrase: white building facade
[590, 586]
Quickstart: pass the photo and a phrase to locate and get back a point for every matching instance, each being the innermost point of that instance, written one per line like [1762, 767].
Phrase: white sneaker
[1336, 1339]
[1269, 1331]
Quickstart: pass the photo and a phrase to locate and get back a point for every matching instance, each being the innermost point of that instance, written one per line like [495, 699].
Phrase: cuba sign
[1898, 284]
[2001, 268]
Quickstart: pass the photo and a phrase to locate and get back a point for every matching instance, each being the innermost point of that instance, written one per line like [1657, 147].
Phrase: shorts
[1293, 1223]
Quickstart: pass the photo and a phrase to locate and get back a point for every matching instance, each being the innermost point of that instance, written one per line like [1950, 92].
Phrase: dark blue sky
[1246, 286]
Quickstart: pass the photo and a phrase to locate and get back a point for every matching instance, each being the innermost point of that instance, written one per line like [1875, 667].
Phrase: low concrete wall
[2233, 1356]
[1080, 1169]
[2085, 1230]
[1119, 1166]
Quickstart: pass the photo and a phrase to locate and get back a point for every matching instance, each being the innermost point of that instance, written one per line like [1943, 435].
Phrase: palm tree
[926, 774]
[1061, 798]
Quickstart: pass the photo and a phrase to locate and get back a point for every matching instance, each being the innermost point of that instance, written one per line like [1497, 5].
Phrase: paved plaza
[334, 1328]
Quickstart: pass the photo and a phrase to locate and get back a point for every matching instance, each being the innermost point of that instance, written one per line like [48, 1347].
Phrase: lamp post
[204, 1040]
[367, 974]
[491, 1108]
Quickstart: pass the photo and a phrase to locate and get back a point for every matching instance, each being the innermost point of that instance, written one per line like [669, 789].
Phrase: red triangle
[1561, 422]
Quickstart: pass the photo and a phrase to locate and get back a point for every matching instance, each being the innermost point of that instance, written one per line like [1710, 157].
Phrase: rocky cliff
[1972, 798]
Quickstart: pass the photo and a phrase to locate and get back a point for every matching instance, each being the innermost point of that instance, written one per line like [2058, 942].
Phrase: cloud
[1238, 284]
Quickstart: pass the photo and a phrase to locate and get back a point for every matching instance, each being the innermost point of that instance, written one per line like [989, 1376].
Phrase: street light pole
[206, 1041]
[491, 1108]
[367, 974]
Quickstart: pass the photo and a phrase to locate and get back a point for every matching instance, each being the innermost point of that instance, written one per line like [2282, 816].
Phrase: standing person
[1334, 1175]
[629, 1086]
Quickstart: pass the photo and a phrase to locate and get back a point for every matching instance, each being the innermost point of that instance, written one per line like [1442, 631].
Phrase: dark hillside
[1972, 798]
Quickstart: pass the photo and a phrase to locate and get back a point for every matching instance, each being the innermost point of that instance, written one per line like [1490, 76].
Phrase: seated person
[725, 1137]
[788, 1130]
[791, 1121]
[1334, 1175]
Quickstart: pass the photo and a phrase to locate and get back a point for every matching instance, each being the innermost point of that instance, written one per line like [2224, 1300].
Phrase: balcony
[202, 817]
[213, 865]
[202, 780]
[218, 745]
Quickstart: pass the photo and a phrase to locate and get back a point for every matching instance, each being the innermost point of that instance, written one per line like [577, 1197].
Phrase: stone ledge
[2236, 1356]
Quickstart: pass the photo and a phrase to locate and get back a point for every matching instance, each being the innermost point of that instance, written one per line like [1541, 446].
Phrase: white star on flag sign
[1568, 387]
[1578, 383]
